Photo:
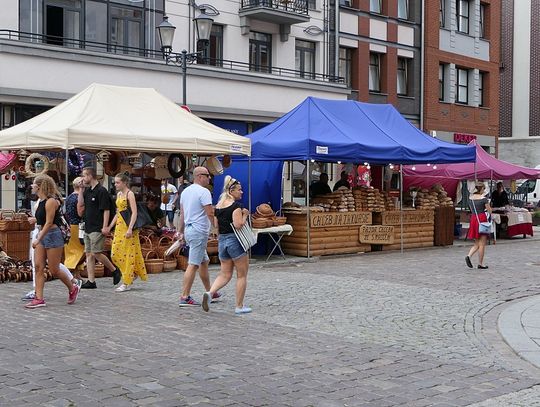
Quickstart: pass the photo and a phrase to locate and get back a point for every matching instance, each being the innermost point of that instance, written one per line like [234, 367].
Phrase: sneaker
[89, 284]
[188, 302]
[217, 296]
[79, 283]
[482, 267]
[73, 294]
[116, 276]
[29, 296]
[35, 303]
[122, 288]
[469, 262]
[243, 310]
[205, 301]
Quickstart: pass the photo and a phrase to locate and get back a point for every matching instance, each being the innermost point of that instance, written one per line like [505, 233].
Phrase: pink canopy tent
[449, 175]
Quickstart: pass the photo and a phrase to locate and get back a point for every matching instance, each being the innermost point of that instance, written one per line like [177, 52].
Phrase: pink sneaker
[73, 294]
[35, 303]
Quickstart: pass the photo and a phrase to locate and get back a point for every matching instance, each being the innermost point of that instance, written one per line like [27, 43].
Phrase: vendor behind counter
[499, 197]
[156, 214]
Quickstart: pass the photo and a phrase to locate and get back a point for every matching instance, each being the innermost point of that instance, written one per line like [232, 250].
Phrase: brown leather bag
[165, 198]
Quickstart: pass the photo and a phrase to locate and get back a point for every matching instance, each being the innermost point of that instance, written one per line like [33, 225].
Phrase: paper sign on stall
[376, 234]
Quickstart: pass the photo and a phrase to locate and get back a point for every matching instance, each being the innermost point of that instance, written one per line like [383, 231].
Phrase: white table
[276, 233]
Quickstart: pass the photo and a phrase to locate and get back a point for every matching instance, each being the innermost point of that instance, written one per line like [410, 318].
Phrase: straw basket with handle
[146, 244]
[162, 245]
[153, 263]
[7, 221]
[99, 271]
[169, 263]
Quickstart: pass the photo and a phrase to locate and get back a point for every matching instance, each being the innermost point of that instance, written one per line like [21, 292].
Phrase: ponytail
[228, 184]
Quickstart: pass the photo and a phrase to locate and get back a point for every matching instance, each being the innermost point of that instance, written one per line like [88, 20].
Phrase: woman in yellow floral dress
[126, 248]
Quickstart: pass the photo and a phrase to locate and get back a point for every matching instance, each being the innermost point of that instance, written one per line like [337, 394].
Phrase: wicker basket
[162, 245]
[107, 245]
[99, 271]
[280, 220]
[146, 245]
[212, 247]
[153, 263]
[7, 221]
[181, 262]
[24, 224]
[169, 264]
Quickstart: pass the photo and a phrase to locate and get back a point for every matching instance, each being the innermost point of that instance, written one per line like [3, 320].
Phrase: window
[402, 76]
[442, 13]
[98, 25]
[345, 65]
[482, 20]
[212, 51]
[305, 59]
[482, 77]
[260, 52]
[442, 75]
[462, 17]
[462, 91]
[346, 3]
[126, 30]
[374, 72]
[63, 23]
[375, 6]
[403, 9]
[312, 4]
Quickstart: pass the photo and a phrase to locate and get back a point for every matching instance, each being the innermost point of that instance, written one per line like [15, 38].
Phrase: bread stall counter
[329, 232]
[418, 228]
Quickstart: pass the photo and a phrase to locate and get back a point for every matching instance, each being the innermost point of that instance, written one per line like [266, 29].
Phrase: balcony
[282, 12]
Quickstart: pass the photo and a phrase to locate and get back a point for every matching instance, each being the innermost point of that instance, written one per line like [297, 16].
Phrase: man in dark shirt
[499, 197]
[155, 212]
[320, 187]
[94, 203]
[343, 181]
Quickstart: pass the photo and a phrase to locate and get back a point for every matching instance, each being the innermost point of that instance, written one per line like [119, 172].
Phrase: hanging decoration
[36, 164]
[6, 160]
[75, 163]
[103, 156]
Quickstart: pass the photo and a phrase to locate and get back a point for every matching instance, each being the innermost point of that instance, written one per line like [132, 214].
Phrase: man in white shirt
[169, 195]
[196, 219]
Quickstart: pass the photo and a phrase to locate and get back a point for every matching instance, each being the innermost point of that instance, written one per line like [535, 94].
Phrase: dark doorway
[54, 25]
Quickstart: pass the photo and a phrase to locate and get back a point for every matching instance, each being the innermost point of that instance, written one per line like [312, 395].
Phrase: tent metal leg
[66, 187]
[401, 205]
[307, 214]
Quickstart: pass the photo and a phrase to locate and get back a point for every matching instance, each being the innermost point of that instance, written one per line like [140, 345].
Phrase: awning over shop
[487, 167]
[122, 118]
[345, 130]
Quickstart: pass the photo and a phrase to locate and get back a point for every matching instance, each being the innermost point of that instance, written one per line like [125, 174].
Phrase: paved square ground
[381, 329]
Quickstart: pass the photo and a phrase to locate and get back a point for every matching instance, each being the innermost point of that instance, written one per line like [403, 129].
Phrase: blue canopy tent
[349, 131]
[345, 130]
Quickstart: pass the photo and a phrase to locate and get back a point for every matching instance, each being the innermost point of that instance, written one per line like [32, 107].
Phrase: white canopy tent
[125, 119]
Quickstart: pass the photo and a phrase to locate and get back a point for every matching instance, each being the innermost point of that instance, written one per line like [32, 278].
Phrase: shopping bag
[245, 235]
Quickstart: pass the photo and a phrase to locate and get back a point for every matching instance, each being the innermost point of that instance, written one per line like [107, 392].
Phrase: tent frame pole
[249, 193]
[307, 212]
[66, 187]
[401, 205]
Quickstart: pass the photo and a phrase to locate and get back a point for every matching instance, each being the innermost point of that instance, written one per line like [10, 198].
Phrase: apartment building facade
[520, 82]
[461, 75]
[379, 52]
[264, 57]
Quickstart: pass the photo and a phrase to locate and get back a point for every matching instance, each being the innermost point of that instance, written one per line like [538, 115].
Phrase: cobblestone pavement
[381, 329]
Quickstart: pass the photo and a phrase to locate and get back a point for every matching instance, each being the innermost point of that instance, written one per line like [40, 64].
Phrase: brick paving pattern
[417, 329]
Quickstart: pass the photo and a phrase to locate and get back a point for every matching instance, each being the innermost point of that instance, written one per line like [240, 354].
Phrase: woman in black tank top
[49, 243]
[229, 214]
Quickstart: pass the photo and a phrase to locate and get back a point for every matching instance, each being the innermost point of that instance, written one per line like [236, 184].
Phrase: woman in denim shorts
[228, 214]
[49, 243]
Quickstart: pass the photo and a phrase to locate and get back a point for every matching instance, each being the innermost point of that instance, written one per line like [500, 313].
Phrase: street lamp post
[203, 26]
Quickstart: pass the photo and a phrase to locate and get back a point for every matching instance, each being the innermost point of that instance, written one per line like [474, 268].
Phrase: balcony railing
[289, 6]
[236, 66]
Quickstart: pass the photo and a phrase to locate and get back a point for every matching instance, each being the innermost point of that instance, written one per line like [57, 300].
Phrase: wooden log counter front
[418, 228]
[330, 233]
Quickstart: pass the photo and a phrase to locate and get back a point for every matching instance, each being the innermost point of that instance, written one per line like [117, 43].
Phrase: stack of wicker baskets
[14, 234]
[265, 217]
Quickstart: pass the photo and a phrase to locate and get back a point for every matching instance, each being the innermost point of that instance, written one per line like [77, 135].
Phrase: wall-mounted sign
[330, 219]
[321, 149]
[376, 234]
[409, 217]
[463, 138]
